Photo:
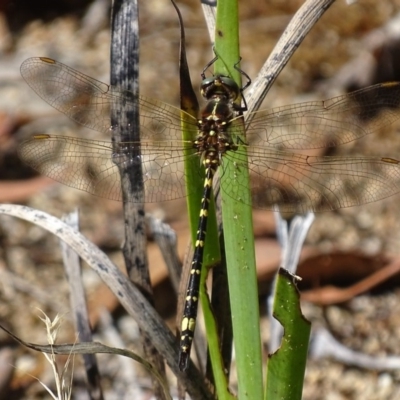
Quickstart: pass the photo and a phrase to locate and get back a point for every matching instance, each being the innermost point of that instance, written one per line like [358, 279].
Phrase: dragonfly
[281, 174]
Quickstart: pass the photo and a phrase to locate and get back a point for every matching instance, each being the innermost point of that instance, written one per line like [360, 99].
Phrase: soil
[352, 46]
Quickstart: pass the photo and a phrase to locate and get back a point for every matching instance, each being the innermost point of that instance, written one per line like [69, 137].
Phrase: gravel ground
[341, 52]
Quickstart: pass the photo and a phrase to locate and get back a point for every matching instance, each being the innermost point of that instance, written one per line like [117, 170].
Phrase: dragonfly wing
[83, 99]
[299, 183]
[326, 123]
[162, 120]
[88, 101]
[91, 165]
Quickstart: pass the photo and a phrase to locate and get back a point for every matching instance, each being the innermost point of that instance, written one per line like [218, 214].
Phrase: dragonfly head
[219, 86]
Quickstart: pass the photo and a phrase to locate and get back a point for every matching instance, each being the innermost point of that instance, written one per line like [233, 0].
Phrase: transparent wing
[88, 101]
[294, 182]
[326, 123]
[91, 165]
[299, 183]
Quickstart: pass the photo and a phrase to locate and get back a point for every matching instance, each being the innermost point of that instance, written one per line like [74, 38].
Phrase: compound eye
[230, 86]
[208, 81]
[205, 85]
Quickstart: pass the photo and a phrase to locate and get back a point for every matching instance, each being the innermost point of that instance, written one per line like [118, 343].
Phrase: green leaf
[286, 367]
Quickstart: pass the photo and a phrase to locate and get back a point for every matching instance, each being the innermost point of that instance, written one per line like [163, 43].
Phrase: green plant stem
[238, 228]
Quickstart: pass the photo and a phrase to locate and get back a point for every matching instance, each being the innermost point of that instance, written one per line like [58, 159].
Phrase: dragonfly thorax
[213, 139]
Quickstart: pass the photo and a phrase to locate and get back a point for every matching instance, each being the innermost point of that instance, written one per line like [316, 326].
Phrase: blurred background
[355, 44]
